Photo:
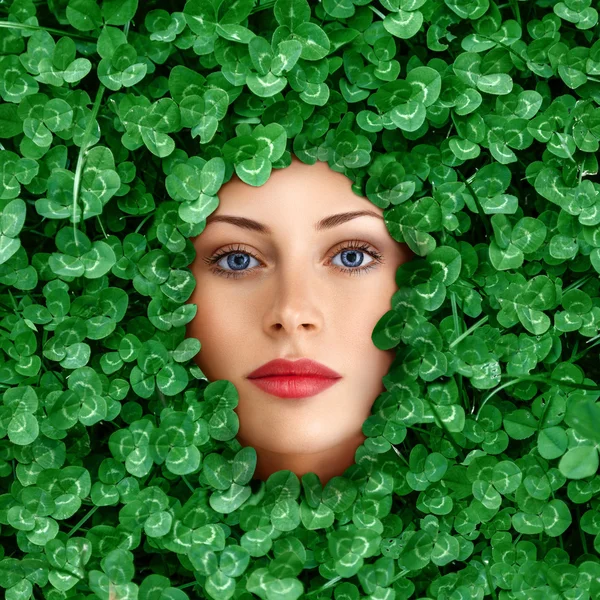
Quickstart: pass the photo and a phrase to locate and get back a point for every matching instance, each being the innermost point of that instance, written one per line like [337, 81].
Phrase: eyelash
[351, 245]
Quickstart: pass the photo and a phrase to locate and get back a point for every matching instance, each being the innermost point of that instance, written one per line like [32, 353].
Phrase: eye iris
[238, 261]
[352, 254]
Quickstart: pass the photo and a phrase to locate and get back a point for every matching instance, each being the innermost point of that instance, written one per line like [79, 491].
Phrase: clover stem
[400, 455]
[582, 353]
[87, 516]
[581, 533]
[188, 483]
[6, 306]
[101, 226]
[517, 540]
[514, 5]
[12, 25]
[480, 212]
[326, 586]
[457, 326]
[187, 585]
[489, 582]
[541, 379]
[12, 298]
[420, 429]
[81, 157]
[593, 339]
[31, 230]
[574, 350]
[401, 574]
[468, 331]
[143, 221]
[540, 423]
[262, 7]
[377, 12]
[493, 393]
[577, 284]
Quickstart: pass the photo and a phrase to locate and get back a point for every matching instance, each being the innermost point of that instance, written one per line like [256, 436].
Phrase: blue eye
[238, 260]
[353, 257]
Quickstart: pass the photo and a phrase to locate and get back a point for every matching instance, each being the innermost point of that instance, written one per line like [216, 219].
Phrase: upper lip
[303, 366]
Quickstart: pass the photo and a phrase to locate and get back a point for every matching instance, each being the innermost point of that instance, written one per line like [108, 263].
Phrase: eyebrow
[323, 224]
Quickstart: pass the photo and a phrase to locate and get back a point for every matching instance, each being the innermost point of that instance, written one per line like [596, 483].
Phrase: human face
[292, 301]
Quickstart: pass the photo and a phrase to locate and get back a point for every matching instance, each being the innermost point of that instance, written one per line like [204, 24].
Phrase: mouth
[294, 379]
[294, 386]
[302, 367]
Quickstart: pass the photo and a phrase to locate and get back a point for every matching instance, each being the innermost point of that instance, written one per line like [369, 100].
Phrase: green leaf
[23, 429]
[200, 17]
[118, 12]
[495, 83]
[403, 24]
[505, 258]
[84, 15]
[172, 379]
[10, 124]
[579, 462]
[583, 414]
[556, 517]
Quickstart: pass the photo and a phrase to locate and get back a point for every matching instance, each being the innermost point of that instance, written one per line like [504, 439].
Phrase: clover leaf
[473, 125]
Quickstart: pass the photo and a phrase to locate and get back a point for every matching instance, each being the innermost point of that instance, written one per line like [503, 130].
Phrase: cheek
[211, 325]
[374, 300]
[368, 309]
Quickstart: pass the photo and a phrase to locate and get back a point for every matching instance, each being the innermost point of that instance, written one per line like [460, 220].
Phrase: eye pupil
[352, 258]
[238, 260]
[352, 255]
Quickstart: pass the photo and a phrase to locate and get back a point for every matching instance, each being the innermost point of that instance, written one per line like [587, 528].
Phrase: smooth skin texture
[293, 301]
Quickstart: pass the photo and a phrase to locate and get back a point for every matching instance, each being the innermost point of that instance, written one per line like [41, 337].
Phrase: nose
[294, 301]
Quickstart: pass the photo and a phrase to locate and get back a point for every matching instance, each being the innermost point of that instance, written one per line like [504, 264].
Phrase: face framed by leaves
[474, 125]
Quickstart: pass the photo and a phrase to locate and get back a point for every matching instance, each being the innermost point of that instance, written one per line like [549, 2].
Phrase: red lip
[303, 367]
[294, 379]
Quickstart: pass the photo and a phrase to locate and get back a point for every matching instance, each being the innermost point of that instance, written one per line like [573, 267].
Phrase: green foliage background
[474, 124]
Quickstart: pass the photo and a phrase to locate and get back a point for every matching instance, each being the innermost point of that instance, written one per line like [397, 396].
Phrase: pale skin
[293, 301]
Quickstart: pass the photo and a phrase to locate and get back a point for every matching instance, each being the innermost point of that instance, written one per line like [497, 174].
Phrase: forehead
[299, 189]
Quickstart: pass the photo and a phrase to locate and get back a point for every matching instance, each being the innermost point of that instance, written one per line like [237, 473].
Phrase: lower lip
[294, 387]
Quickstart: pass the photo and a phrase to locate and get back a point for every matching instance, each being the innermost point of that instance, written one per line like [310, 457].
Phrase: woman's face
[290, 299]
